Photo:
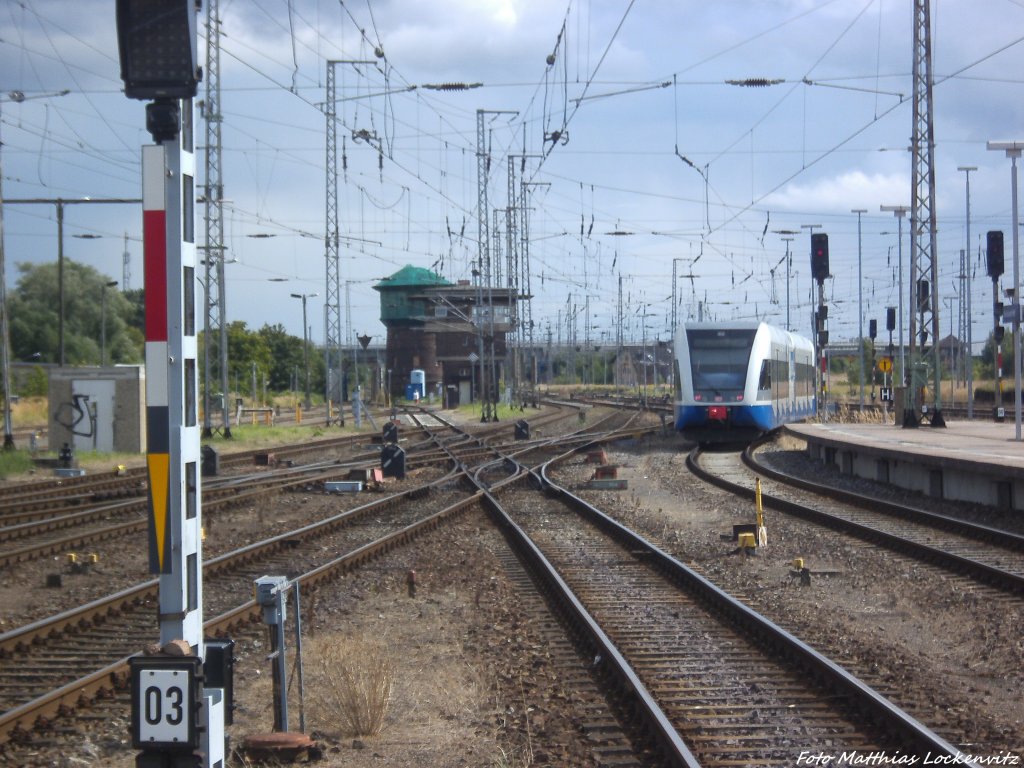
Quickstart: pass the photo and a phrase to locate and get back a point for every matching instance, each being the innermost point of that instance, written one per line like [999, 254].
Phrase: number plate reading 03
[165, 702]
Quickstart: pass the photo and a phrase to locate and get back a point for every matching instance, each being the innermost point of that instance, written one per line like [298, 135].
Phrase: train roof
[750, 325]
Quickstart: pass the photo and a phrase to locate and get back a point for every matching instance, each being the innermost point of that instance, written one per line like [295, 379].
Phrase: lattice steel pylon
[526, 288]
[215, 347]
[924, 285]
[332, 279]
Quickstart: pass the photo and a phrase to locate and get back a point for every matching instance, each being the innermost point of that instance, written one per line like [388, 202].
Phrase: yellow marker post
[762, 532]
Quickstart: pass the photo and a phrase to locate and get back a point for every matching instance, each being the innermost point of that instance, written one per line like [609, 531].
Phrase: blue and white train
[737, 380]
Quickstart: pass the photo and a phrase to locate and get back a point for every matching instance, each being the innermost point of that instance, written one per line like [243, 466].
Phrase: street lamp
[967, 291]
[860, 304]
[103, 322]
[900, 211]
[1013, 151]
[305, 339]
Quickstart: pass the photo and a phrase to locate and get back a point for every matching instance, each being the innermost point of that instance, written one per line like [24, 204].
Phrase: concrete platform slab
[973, 461]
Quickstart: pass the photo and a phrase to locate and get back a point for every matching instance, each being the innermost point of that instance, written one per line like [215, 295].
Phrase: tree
[34, 317]
[246, 348]
[987, 367]
[286, 357]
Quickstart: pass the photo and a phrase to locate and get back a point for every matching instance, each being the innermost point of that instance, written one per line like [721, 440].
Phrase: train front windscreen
[718, 361]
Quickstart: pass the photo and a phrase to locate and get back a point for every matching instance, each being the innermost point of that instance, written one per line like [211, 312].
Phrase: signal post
[177, 720]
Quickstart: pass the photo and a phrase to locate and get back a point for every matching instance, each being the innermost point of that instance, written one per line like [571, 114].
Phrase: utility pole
[483, 273]
[126, 266]
[787, 238]
[60, 203]
[305, 340]
[967, 288]
[860, 304]
[5, 352]
[215, 334]
[618, 336]
[924, 260]
[1013, 151]
[332, 280]
[527, 290]
[900, 211]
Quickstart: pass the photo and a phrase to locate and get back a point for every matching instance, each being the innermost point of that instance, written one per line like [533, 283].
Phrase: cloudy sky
[655, 133]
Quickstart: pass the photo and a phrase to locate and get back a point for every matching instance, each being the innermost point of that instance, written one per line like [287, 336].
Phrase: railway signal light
[994, 253]
[819, 256]
[872, 329]
[157, 43]
[890, 318]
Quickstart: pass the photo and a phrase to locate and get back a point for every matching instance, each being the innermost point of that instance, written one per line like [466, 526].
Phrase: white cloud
[844, 192]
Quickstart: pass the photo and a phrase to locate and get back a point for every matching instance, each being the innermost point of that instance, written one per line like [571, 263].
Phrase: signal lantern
[994, 253]
[890, 318]
[872, 329]
[819, 256]
[922, 295]
[997, 333]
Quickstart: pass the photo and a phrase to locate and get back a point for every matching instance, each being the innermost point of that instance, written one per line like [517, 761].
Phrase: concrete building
[454, 332]
[98, 409]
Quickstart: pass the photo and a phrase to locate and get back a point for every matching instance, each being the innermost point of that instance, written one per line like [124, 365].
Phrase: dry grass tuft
[349, 684]
[512, 759]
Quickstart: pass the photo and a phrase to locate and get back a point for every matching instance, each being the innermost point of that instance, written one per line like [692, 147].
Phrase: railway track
[712, 681]
[41, 678]
[987, 555]
[718, 707]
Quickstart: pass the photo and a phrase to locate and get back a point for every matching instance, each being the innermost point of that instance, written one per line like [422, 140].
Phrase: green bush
[14, 462]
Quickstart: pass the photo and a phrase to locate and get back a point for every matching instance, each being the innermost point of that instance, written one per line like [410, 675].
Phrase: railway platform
[975, 461]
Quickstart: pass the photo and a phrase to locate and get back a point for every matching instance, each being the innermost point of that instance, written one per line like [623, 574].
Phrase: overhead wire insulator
[451, 86]
[756, 82]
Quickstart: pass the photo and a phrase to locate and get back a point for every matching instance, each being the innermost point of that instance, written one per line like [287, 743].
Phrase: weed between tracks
[14, 463]
[350, 683]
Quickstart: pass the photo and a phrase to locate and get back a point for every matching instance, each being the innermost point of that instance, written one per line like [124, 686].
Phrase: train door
[794, 391]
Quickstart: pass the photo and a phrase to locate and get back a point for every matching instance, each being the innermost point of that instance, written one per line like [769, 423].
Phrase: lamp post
[860, 303]
[967, 292]
[899, 211]
[1013, 151]
[103, 322]
[305, 340]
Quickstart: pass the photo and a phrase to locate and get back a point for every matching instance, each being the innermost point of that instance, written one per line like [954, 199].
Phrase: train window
[719, 358]
[764, 383]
